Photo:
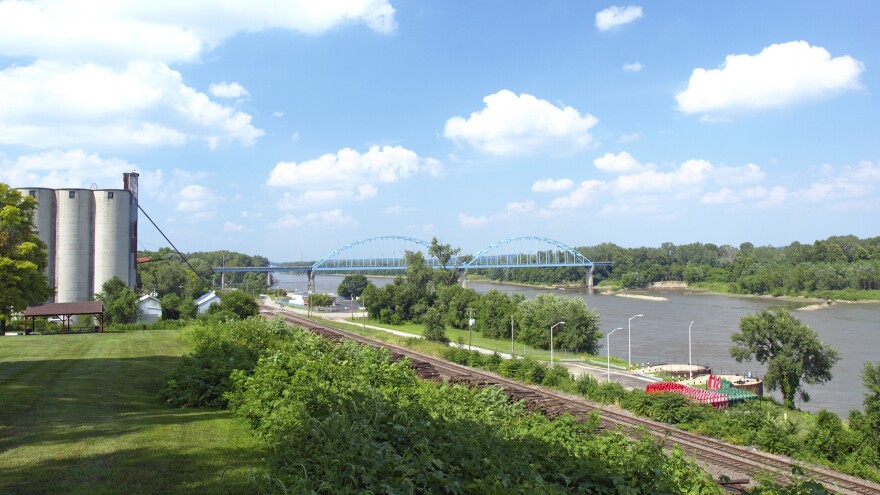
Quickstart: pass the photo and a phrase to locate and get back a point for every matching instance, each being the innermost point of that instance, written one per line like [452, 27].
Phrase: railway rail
[738, 463]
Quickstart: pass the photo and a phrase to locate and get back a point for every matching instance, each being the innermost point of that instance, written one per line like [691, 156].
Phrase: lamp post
[608, 349]
[551, 340]
[690, 361]
[629, 351]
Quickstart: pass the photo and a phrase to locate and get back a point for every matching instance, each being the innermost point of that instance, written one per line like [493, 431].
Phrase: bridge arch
[375, 253]
[528, 251]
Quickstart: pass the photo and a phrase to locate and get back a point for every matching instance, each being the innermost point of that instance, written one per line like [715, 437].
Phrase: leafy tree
[868, 424]
[23, 257]
[790, 349]
[445, 255]
[435, 330]
[170, 304]
[535, 317]
[320, 300]
[353, 286]
[120, 302]
[239, 302]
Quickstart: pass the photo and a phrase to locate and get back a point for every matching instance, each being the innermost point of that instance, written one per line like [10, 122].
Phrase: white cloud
[332, 219]
[277, 114]
[228, 90]
[515, 207]
[49, 104]
[690, 174]
[749, 173]
[57, 169]
[550, 185]
[724, 196]
[349, 174]
[515, 125]
[586, 193]
[633, 67]
[235, 227]
[394, 210]
[470, 222]
[781, 75]
[621, 163]
[613, 17]
[162, 30]
[629, 138]
[198, 202]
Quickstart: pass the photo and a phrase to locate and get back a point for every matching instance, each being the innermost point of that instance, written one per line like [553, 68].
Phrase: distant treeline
[837, 267]
[167, 273]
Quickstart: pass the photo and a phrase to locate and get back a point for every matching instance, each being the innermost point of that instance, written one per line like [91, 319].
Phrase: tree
[170, 304]
[239, 302]
[320, 300]
[23, 256]
[120, 302]
[790, 349]
[435, 330]
[868, 423]
[535, 317]
[444, 254]
[353, 286]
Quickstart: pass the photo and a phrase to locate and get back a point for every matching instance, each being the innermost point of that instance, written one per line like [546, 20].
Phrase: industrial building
[91, 235]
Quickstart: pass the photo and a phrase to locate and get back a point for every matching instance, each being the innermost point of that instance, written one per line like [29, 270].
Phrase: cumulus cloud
[513, 124]
[633, 67]
[614, 17]
[586, 193]
[471, 222]
[329, 219]
[164, 31]
[551, 185]
[228, 90]
[780, 75]
[71, 168]
[99, 73]
[629, 138]
[51, 104]
[197, 201]
[349, 174]
[233, 227]
[623, 162]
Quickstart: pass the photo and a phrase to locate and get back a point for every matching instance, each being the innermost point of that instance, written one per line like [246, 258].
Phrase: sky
[290, 129]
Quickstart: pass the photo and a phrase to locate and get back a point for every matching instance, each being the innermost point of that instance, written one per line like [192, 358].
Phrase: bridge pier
[311, 282]
[222, 280]
[268, 279]
[589, 277]
[463, 278]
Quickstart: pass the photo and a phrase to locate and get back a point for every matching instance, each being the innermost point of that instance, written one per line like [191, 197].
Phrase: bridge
[388, 253]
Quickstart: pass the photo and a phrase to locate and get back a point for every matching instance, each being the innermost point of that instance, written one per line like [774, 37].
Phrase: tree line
[836, 267]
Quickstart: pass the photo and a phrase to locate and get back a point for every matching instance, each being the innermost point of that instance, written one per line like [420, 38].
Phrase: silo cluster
[91, 235]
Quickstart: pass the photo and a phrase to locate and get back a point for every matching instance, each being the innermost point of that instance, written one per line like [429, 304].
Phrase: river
[662, 334]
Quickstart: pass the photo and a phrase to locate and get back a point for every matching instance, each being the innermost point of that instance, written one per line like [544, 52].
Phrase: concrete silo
[74, 248]
[44, 221]
[112, 236]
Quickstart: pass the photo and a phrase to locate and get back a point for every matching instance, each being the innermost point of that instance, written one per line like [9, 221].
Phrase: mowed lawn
[80, 414]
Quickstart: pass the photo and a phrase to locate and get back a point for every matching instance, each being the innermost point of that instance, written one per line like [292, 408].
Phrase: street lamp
[551, 340]
[629, 351]
[608, 349]
[690, 361]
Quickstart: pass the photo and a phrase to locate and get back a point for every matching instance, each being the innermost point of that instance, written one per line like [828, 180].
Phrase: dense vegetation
[167, 273]
[841, 267]
[23, 256]
[822, 437]
[423, 292]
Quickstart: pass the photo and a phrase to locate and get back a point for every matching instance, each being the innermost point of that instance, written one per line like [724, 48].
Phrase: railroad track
[734, 461]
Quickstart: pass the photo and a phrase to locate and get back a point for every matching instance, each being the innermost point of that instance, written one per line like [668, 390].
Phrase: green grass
[80, 414]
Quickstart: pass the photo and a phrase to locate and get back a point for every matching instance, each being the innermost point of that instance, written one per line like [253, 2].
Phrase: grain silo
[44, 221]
[91, 236]
[112, 243]
[74, 247]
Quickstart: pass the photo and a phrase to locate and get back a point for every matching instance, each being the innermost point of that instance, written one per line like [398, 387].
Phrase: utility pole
[511, 337]
[470, 326]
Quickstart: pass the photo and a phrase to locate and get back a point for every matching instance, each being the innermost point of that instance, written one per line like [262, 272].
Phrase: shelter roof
[68, 308]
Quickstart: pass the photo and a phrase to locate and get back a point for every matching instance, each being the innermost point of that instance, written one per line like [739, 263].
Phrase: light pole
[629, 351]
[551, 340]
[690, 361]
[608, 349]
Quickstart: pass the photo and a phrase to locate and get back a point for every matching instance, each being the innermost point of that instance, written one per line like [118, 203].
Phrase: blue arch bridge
[388, 253]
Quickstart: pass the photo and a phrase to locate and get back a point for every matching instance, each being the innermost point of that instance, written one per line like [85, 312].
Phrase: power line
[173, 246]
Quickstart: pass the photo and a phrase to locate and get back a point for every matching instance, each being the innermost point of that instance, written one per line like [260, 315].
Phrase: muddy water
[662, 334]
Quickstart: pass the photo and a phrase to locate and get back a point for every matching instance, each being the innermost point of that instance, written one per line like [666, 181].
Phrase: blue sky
[290, 129]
